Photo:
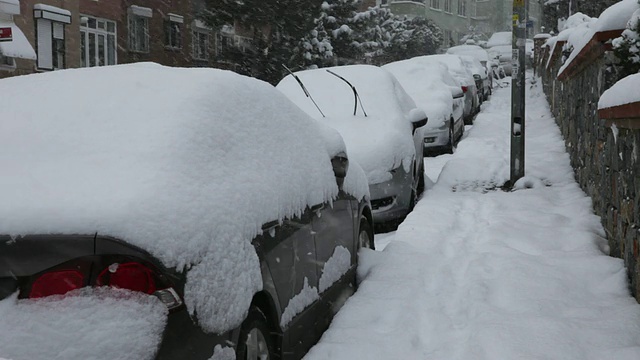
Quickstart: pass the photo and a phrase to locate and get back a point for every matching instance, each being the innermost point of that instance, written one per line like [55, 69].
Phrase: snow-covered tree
[627, 46]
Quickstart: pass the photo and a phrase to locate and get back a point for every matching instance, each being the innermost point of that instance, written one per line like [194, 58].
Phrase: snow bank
[185, 163]
[494, 275]
[378, 142]
[617, 15]
[100, 323]
[623, 92]
[426, 83]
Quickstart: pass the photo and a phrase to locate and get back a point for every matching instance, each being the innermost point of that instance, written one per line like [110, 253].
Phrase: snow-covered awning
[11, 7]
[19, 47]
[175, 18]
[43, 11]
[141, 11]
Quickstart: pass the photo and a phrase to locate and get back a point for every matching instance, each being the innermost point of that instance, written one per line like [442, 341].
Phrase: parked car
[207, 201]
[436, 92]
[380, 125]
[499, 48]
[480, 75]
[479, 54]
[459, 71]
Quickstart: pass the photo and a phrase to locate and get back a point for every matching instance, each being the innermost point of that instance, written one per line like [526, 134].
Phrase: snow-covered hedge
[627, 47]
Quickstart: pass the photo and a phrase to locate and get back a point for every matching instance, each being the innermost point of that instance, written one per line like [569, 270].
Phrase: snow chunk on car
[187, 164]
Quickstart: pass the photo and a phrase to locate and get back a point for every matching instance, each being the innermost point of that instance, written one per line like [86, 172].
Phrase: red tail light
[56, 283]
[131, 276]
[464, 89]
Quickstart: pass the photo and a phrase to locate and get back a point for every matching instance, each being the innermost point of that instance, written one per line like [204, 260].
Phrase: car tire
[452, 140]
[421, 185]
[255, 341]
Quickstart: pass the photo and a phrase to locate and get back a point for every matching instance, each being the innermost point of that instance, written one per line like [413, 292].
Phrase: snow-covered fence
[601, 130]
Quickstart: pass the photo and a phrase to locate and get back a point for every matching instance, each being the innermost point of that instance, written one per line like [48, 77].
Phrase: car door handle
[317, 207]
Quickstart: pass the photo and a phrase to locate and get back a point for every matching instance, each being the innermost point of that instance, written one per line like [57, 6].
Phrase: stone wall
[604, 152]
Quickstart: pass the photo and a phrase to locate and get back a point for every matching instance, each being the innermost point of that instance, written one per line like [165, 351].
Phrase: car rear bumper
[435, 139]
[391, 199]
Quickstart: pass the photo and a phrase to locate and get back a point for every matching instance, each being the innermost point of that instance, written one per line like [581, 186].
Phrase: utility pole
[519, 41]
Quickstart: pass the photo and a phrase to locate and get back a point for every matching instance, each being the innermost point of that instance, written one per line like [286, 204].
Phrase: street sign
[6, 34]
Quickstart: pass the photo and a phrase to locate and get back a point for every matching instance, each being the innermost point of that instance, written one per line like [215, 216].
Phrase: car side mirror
[340, 164]
[477, 77]
[420, 123]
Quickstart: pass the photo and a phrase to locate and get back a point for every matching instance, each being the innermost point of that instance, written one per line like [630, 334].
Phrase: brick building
[58, 34]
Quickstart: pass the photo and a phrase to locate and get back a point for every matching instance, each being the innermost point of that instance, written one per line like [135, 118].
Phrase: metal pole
[519, 31]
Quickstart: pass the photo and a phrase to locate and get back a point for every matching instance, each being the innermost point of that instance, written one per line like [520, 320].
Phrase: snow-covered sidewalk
[478, 273]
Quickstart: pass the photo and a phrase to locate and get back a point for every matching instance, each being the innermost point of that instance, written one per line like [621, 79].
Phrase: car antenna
[355, 93]
[306, 92]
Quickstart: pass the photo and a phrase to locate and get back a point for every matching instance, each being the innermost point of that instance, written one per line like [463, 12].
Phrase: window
[7, 63]
[97, 42]
[224, 43]
[462, 7]
[139, 28]
[435, 4]
[50, 37]
[200, 44]
[447, 6]
[173, 31]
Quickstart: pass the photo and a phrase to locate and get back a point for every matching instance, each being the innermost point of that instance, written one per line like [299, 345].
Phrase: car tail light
[131, 276]
[464, 89]
[56, 283]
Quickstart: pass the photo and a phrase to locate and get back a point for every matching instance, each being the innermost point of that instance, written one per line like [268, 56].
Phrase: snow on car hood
[424, 82]
[184, 163]
[379, 142]
[471, 50]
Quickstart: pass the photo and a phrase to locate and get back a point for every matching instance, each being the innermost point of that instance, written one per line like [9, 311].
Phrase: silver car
[380, 124]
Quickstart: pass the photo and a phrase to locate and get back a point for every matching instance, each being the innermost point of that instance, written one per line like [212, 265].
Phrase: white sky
[486, 275]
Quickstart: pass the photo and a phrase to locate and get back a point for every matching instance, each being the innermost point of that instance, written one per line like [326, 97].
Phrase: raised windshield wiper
[306, 92]
[355, 93]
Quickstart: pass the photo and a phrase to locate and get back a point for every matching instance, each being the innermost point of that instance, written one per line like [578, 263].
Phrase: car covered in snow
[480, 75]
[458, 69]
[380, 124]
[154, 212]
[499, 48]
[436, 92]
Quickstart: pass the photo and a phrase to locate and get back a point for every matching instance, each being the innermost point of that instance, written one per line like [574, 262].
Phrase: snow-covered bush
[627, 46]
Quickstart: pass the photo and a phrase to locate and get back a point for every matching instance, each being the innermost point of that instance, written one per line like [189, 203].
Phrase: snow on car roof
[380, 141]
[455, 65]
[184, 163]
[500, 38]
[471, 50]
[426, 82]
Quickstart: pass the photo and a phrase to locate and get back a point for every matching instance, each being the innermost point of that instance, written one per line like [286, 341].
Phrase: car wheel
[452, 145]
[255, 341]
[421, 183]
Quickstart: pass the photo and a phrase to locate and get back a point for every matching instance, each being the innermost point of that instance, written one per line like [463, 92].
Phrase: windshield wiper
[306, 92]
[355, 93]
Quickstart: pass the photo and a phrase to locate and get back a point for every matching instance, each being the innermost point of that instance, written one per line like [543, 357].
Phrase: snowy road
[478, 273]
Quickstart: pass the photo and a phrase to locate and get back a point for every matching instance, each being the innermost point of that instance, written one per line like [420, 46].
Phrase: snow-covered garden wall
[601, 131]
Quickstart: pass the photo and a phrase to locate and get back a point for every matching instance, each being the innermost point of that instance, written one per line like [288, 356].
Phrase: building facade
[460, 19]
[58, 34]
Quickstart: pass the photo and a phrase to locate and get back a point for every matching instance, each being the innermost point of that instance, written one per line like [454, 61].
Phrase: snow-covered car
[499, 48]
[480, 75]
[460, 72]
[155, 212]
[479, 54]
[436, 92]
[380, 124]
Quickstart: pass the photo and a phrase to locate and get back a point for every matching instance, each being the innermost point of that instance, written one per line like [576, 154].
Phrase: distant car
[380, 124]
[440, 96]
[203, 197]
[480, 75]
[479, 54]
[499, 48]
[459, 71]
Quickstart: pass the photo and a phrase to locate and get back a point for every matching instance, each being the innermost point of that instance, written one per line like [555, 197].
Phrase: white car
[480, 75]
[380, 125]
[479, 54]
[500, 48]
[460, 72]
[440, 96]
